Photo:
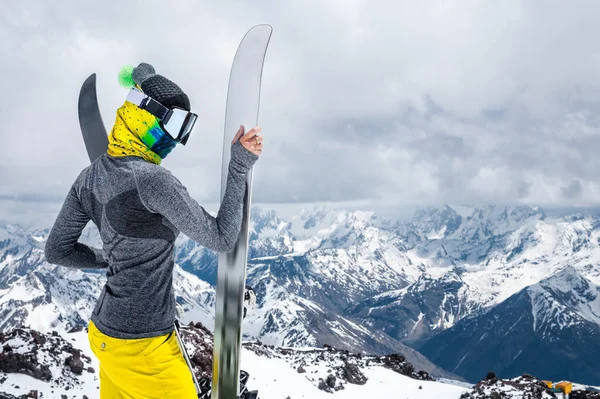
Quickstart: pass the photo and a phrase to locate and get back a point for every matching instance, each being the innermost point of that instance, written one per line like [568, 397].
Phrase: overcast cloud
[401, 102]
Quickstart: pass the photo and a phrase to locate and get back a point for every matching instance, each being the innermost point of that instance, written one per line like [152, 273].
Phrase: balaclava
[137, 132]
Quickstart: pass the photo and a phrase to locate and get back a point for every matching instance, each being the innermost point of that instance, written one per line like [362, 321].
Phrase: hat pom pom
[126, 77]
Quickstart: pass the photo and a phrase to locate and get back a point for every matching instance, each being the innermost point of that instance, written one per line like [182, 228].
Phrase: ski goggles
[177, 122]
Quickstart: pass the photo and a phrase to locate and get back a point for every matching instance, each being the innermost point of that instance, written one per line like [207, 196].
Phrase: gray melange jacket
[140, 208]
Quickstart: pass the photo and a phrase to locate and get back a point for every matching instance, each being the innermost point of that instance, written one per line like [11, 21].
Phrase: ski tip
[90, 79]
[266, 28]
[89, 83]
[263, 25]
[258, 27]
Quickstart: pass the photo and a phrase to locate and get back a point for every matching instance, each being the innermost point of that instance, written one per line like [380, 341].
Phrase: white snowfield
[275, 379]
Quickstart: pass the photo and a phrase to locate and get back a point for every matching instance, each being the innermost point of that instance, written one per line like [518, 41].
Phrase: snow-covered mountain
[356, 281]
[424, 307]
[551, 328]
[414, 280]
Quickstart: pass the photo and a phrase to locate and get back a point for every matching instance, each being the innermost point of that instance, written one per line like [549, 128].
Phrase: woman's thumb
[239, 134]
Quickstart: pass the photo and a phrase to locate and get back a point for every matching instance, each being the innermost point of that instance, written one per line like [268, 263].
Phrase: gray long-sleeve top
[140, 208]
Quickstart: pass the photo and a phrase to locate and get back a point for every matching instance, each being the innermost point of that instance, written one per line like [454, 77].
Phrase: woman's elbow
[53, 254]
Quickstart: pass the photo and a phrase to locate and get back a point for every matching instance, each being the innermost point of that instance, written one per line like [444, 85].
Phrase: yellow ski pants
[146, 368]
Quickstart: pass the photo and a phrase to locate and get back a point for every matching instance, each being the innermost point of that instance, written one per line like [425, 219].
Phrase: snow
[417, 322]
[520, 351]
[461, 360]
[275, 379]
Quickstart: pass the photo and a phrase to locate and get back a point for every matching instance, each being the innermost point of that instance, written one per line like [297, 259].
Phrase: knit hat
[156, 86]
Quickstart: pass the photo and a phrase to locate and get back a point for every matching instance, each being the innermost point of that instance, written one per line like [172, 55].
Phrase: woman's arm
[62, 247]
[164, 194]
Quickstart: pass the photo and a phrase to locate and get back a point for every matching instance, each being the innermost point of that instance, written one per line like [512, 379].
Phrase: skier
[140, 208]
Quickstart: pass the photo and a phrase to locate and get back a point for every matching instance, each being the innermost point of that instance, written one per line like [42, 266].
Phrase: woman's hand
[251, 140]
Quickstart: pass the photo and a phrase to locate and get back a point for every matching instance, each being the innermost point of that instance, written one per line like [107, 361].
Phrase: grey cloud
[573, 190]
[523, 189]
[410, 102]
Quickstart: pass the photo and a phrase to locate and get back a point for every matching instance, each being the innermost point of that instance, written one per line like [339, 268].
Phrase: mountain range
[449, 282]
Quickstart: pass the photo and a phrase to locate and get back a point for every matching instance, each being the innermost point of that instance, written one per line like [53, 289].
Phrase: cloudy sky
[398, 102]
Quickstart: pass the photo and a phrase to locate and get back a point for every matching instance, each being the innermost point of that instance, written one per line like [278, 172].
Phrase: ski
[243, 99]
[90, 120]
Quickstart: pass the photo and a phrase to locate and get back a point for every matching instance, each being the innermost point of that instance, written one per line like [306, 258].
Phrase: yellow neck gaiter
[137, 132]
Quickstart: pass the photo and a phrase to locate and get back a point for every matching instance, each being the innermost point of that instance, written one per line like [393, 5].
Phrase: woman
[140, 208]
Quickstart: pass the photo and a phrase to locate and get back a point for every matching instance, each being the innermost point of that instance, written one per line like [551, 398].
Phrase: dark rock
[397, 363]
[352, 374]
[423, 375]
[24, 364]
[587, 394]
[75, 329]
[38, 338]
[75, 364]
[6, 348]
[493, 388]
[91, 370]
[490, 376]
[301, 370]
[9, 396]
[331, 380]
[203, 362]
[323, 386]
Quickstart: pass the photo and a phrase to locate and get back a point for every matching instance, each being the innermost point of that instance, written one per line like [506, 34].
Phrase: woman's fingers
[239, 134]
[251, 133]
[253, 141]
